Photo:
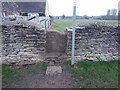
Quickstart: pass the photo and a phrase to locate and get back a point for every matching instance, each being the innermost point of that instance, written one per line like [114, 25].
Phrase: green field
[61, 24]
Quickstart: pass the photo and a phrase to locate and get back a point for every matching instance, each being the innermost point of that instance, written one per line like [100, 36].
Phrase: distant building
[31, 8]
[37, 11]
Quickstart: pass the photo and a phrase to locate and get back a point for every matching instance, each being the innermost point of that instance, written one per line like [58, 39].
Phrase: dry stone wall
[23, 43]
[94, 41]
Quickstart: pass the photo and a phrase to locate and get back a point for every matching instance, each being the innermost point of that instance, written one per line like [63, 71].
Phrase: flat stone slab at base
[52, 70]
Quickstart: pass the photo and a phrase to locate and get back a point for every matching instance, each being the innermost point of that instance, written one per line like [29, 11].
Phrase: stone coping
[23, 24]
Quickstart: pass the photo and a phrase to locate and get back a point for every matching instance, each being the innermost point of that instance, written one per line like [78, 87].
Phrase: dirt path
[63, 80]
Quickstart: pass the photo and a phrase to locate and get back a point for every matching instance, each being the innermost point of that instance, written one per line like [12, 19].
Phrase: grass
[0, 75]
[91, 74]
[61, 24]
[38, 68]
[12, 74]
[88, 74]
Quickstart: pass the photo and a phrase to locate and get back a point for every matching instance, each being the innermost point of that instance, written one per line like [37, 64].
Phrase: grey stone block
[52, 70]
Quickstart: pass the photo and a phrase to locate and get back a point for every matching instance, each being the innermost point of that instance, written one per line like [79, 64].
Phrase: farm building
[28, 10]
[25, 7]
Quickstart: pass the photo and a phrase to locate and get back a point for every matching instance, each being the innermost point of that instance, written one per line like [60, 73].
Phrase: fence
[44, 21]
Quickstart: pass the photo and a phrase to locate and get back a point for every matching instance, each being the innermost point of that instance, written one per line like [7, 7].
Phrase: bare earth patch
[63, 80]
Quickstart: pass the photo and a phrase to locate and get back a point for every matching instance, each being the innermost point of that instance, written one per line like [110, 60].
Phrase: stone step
[56, 59]
[53, 70]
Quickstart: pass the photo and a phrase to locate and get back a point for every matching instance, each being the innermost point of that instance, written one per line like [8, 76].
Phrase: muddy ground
[63, 80]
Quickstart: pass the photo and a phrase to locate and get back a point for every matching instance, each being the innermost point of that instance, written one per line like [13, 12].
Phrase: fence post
[73, 33]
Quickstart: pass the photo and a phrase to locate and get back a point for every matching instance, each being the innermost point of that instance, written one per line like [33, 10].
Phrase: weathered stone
[25, 44]
[52, 70]
[22, 42]
[95, 37]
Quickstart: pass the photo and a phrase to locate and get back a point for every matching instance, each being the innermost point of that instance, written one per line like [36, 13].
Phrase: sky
[83, 7]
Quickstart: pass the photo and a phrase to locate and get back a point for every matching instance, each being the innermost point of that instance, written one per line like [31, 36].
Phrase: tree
[85, 16]
[10, 6]
[114, 12]
[63, 16]
[108, 12]
[119, 15]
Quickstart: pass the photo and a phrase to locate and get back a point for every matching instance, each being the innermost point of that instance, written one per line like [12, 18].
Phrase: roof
[23, 1]
[28, 7]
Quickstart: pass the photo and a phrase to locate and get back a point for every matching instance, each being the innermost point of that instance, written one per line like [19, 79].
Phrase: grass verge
[38, 68]
[12, 74]
[101, 74]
